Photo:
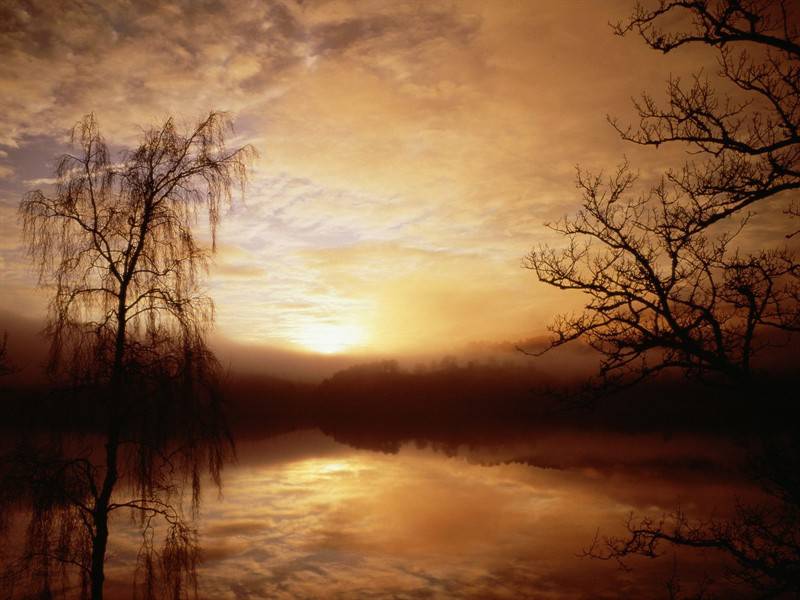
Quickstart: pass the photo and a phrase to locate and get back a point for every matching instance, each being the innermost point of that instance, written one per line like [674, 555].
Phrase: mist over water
[462, 480]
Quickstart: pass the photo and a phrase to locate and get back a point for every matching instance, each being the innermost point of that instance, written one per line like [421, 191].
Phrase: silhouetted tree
[662, 296]
[667, 285]
[127, 324]
[748, 145]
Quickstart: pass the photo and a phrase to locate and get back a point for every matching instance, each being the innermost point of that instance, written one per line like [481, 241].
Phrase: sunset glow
[461, 299]
[330, 338]
[409, 152]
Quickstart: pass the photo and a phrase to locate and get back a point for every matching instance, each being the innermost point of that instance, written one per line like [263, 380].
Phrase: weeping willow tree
[115, 246]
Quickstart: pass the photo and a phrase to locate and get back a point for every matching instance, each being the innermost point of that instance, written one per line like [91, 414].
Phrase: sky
[410, 152]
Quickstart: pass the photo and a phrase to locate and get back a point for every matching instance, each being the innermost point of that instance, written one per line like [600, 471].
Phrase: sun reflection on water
[330, 521]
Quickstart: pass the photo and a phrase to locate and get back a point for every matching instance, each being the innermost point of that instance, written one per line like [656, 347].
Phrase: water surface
[304, 516]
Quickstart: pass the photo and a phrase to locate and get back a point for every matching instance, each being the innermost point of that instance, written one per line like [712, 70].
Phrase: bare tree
[747, 146]
[127, 324]
[660, 295]
[667, 284]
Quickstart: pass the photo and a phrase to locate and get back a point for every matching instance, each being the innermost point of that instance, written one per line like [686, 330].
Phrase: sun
[329, 338]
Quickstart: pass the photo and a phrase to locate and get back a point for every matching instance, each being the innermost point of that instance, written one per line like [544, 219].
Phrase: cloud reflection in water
[305, 517]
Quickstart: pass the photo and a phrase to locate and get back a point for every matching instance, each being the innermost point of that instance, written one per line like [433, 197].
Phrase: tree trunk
[103, 501]
[114, 415]
[101, 510]
[99, 543]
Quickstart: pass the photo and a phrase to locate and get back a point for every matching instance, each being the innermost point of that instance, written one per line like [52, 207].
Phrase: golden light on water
[330, 338]
[306, 517]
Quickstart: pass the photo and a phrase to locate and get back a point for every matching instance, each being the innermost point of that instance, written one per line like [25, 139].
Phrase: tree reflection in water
[306, 516]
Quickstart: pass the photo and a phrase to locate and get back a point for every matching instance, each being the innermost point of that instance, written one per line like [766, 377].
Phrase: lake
[302, 515]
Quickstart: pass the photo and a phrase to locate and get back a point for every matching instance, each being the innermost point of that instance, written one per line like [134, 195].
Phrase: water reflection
[304, 516]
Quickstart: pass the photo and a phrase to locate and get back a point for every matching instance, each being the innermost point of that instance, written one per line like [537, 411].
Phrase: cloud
[410, 152]
[143, 61]
[41, 181]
